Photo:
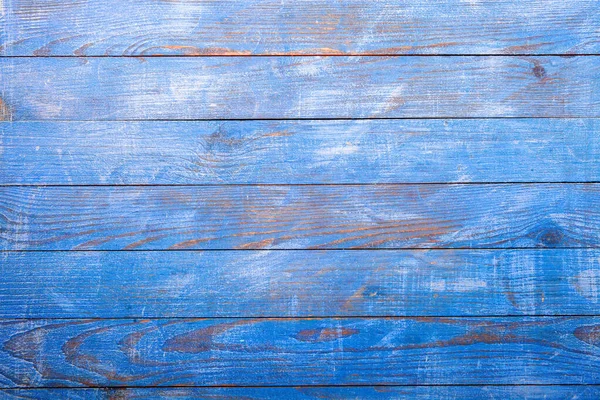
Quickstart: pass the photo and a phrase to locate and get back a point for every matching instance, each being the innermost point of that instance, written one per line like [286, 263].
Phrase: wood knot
[589, 334]
[539, 71]
[551, 237]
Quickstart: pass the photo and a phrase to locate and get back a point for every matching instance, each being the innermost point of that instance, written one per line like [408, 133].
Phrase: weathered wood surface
[298, 87]
[300, 217]
[112, 27]
[299, 283]
[292, 352]
[491, 280]
[579, 392]
[300, 152]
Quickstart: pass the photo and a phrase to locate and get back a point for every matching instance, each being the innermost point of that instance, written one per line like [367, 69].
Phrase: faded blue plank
[315, 393]
[300, 217]
[312, 27]
[299, 283]
[299, 152]
[300, 352]
[298, 87]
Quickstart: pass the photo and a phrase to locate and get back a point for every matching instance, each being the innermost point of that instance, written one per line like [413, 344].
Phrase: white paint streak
[587, 284]
[458, 285]
[338, 150]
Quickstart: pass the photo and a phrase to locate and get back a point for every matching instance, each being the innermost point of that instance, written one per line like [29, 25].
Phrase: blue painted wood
[313, 27]
[300, 152]
[316, 393]
[300, 217]
[299, 283]
[299, 352]
[298, 87]
[363, 287]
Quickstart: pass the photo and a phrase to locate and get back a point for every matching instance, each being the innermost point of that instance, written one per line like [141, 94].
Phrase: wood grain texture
[449, 141]
[300, 152]
[299, 352]
[298, 87]
[300, 217]
[111, 27]
[315, 393]
[299, 283]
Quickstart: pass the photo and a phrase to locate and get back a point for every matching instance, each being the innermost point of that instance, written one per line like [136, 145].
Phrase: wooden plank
[298, 87]
[299, 283]
[142, 27]
[579, 392]
[299, 352]
[300, 217]
[300, 152]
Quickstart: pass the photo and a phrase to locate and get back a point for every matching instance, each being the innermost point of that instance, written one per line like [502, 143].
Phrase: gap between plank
[294, 119]
[298, 386]
[305, 249]
[300, 318]
[192, 185]
[564, 55]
